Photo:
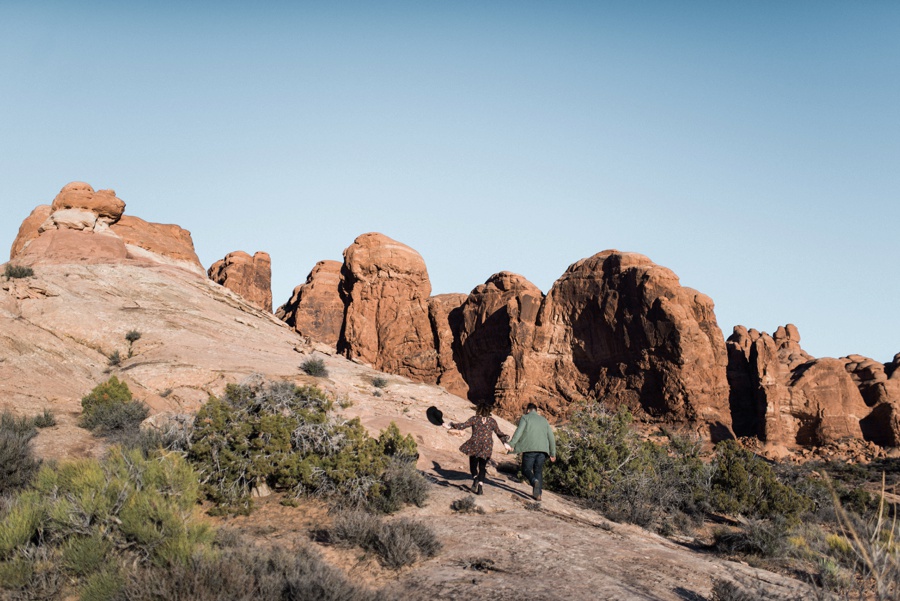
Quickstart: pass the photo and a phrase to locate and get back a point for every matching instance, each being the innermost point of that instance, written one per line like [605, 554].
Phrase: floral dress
[481, 444]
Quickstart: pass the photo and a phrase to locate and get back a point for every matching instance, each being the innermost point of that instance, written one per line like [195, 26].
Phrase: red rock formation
[385, 288]
[445, 314]
[28, 231]
[81, 196]
[786, 397]
[316, 308]
[160, 240]
[618, 328]
[495, 335]
[250, 277]
[48, 233]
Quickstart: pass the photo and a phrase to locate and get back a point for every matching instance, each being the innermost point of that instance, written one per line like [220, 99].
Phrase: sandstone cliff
[316, 309]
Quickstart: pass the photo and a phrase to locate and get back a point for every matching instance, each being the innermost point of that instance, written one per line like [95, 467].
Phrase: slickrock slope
[58, 327]
[315, 308]
[788, 398]
[250, 277]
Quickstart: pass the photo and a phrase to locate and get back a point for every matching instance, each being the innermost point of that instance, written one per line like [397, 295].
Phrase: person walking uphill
[535, 441]
[480, 446]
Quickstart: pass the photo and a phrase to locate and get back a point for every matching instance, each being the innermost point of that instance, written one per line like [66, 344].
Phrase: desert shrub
[764, 538]
[45, 419]
[402, 484]
[315, 367]
[81, 521]
[109, 409]
[396, 544]
[602, 460]
[17, 462]
[17, 271]
[132, 336]
[742, 483]
[239, 572]
[114, 359]
[287, 437]
[379, 382]
[466, 505]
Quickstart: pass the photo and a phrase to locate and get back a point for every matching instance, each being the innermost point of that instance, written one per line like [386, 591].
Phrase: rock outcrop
[494, 339]
[250, 277]
[445, 315]
[618, 328]
[385, 289]
[316, 309]
[89, 226]
[786, 397]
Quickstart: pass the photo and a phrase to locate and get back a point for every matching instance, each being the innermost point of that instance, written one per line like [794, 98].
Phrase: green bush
[744, 484]
[315, 368]
[45, 419]
[17, 271]
[465, 505]
[380, 382]
[81, 520]
[286, 437]
[402, 484]
[109, 410]
[239, 572]
[602, 460]
[132, 336]
[764, 538]
[17, 462]
[397, 544]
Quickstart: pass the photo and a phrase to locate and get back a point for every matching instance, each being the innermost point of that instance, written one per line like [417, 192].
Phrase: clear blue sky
[751, 147]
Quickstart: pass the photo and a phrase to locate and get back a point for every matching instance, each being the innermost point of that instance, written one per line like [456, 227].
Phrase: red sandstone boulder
[81, 196]
[73, 246]
[160, 242]
[622, 330]
[250, 277]
[385, 288]
[495, 335]
[316, 308]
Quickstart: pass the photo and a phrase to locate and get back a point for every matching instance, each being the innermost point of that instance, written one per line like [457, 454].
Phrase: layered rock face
[784, 396]
[316, 309]
[445, 315]
[621, 329]
[494, 338]
[251, 277]
[385, 289]
[89, 226]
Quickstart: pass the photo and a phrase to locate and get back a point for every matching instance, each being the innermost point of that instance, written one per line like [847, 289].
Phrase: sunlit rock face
[251, 277]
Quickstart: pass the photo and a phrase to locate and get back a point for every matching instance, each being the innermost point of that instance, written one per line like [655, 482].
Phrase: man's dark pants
[533, 470]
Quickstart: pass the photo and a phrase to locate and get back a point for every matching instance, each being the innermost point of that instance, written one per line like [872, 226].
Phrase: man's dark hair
[530, 407]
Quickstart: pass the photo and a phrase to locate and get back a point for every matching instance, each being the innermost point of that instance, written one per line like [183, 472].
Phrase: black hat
[435, 416]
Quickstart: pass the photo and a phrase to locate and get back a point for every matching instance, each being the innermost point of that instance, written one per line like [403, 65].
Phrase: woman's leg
[473, 466]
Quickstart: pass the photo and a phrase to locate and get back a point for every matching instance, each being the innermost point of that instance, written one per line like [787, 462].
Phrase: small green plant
[110, 410]
[380, 382]
[466, 505]
[17, 271]
[132, 336]
[315, 367]
[114, 359]
[17, 463]
[45, 419]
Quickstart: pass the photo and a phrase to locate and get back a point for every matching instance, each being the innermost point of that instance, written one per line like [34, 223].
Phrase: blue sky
[752, 147]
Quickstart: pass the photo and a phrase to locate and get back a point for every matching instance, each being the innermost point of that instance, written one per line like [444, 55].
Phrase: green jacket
[534, 434]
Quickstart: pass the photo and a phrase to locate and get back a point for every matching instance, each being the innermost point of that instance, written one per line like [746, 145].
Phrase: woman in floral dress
[480, 446]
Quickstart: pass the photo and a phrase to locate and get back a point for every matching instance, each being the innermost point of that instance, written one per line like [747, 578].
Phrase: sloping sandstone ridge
[99, 275]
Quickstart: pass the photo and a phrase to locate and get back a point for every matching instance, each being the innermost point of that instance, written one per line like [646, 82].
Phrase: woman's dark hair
[484, 409]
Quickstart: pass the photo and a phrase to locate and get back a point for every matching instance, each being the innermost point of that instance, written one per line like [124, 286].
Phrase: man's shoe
[535, 493]
[479, 490]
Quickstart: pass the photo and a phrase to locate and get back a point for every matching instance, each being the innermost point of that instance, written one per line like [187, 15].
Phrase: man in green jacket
[535, 441]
